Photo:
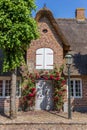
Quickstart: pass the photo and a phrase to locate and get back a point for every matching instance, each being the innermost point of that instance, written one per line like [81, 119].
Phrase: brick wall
[47, 39]
[5, 104]
[80, 104]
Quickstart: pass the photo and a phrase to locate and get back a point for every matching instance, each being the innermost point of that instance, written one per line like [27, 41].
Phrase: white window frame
[74, 80]
[19, 89]
[3, 90]
[44, 55]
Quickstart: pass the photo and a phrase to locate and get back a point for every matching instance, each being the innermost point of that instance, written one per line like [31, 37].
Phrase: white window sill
[8, 97]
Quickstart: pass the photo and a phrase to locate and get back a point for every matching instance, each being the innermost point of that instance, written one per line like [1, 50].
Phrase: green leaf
[17, 29]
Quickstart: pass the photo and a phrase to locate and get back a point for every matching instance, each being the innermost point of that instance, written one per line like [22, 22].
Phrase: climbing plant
[29, 88]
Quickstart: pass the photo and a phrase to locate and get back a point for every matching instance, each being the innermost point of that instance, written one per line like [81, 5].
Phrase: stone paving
[45, 117]
[43, 120]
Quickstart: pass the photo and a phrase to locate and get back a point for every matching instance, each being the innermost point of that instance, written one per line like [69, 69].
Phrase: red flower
[57, 73]
[31, 95]
[30, 76]
[46, 72]
[60, 93]
[46, 78]
[30, 102]
[51, 77]
[33, 89]
[37, 75]
[64, 90]
[24, 98]
[33, 81]
[58, 78]
[63, 82]
[55, 98]
[26, 87]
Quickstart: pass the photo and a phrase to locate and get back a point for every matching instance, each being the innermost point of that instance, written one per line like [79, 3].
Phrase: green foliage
[17, 29]
[28, 95]
[59, 84]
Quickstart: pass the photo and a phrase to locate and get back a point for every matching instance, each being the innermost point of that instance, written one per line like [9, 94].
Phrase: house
[57, 37]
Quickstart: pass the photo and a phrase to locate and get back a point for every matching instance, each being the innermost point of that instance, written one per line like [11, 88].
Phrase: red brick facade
[5, 104]
[46, 40]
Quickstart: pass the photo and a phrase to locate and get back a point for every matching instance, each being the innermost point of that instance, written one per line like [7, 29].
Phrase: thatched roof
[45, 12]
[76, 34]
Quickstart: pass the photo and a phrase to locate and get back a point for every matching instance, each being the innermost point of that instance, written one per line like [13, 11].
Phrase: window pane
[48, 58]
[7, 87]
[18, 89]
[44, 58]
[77, 88]
[1, 88]
[40, 58]
[72, 88]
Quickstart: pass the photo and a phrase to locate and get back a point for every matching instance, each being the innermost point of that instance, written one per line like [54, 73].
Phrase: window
[5, 88]
[44, 58]
[1, 88]
[76, 88]
[18, 88]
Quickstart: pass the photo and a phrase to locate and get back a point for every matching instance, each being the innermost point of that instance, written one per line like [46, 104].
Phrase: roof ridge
[65, 18]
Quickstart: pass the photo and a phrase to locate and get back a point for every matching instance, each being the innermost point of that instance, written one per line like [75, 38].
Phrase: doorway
[44, 95]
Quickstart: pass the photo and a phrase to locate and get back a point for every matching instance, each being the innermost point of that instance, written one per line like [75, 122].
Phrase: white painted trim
[3, 90]
[74, 79]
[44, 63]
[19, 91]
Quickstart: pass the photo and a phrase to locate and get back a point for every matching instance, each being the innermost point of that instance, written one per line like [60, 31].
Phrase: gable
[46, 14]
[48, 33]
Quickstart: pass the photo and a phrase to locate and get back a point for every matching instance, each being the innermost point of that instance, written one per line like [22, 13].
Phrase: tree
[17, 29]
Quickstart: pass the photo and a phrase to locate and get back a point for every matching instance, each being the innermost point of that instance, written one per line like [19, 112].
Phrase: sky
[62, 8]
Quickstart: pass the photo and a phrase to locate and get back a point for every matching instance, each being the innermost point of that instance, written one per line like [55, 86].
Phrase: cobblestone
[43, 120]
